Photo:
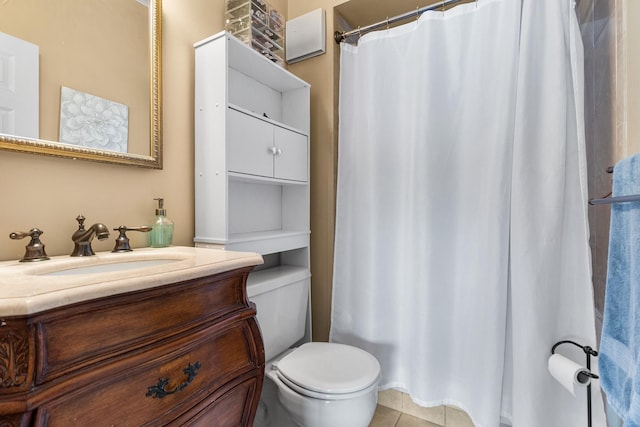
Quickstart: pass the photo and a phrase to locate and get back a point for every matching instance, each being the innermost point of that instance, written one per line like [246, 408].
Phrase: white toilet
[318, 384]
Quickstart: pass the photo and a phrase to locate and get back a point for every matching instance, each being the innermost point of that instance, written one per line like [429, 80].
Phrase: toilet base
[270, 412]
[309, 412]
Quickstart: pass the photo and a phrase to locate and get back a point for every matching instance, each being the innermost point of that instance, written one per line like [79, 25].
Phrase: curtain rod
[340, 36]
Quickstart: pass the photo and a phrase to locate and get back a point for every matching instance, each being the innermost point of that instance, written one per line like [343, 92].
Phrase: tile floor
[396, 409]
[387, 417]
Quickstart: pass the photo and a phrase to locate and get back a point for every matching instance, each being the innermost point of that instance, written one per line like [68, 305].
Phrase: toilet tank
[281, 296]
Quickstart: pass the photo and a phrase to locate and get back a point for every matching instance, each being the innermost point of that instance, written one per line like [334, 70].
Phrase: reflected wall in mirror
[110, 49]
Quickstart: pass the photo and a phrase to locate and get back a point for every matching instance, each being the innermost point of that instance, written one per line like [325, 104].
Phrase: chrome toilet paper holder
[581, 376]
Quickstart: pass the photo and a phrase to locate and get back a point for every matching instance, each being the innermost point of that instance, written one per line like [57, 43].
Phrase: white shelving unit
[252, 126]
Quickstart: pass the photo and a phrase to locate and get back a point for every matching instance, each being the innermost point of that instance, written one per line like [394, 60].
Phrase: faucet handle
[122, 241]
[35, 248]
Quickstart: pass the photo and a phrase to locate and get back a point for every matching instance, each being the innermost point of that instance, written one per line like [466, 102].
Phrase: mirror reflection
[76, 79]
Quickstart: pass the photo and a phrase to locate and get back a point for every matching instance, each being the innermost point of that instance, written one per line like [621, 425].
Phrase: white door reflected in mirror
[19, 89]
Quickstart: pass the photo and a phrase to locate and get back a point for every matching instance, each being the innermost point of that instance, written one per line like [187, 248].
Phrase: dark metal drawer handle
[158, 390]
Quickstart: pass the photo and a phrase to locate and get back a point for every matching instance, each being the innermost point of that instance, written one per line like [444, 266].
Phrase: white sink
[110, 267]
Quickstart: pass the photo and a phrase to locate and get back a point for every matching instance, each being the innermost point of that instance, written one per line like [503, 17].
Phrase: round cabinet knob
[272, 150]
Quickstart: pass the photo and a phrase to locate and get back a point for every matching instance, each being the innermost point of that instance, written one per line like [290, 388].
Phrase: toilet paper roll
[568, 373]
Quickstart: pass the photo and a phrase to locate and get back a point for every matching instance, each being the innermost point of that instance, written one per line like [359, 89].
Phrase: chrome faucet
[82, 238]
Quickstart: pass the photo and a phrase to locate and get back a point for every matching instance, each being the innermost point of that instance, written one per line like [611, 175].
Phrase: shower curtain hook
[417, 13]
[387, 23]
[443, 2]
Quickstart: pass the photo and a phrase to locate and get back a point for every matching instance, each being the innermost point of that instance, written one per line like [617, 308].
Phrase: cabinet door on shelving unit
[291, 155]
[250, 145]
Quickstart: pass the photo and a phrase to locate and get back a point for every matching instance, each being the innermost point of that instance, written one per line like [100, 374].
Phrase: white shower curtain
[462, 250]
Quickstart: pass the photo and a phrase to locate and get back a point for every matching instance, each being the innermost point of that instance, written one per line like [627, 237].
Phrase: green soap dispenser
[161, 234]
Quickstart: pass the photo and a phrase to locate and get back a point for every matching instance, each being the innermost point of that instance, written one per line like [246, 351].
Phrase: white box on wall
[305, 36]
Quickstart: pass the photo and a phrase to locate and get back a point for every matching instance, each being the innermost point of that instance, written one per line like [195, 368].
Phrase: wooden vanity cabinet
[189, 353]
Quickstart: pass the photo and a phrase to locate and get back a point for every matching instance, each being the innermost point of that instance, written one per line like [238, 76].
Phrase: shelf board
[259, 179]
[262, 242]
[256, 66]
[265, 235]
[253, 64]
[265, 119]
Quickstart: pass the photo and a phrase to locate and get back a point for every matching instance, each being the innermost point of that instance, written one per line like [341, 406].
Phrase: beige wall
[319, 72]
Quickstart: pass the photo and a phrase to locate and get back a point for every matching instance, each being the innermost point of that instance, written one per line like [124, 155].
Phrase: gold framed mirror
[90, 53]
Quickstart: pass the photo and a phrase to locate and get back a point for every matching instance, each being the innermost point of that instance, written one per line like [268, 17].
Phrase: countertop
[27, 288]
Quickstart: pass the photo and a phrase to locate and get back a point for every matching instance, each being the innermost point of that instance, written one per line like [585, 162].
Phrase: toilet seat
[329, 371]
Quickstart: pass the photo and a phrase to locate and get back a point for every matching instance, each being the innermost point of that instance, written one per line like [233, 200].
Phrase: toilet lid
[330, 368]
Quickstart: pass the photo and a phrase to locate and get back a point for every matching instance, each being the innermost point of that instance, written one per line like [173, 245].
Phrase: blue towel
[619, 359]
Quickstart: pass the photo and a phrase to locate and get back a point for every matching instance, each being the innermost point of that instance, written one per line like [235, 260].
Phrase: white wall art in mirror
[19, 77]
[91, 121]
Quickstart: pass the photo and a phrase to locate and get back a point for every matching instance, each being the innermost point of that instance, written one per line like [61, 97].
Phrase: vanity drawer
[229, 406]
[81, 335]
[160, 390]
